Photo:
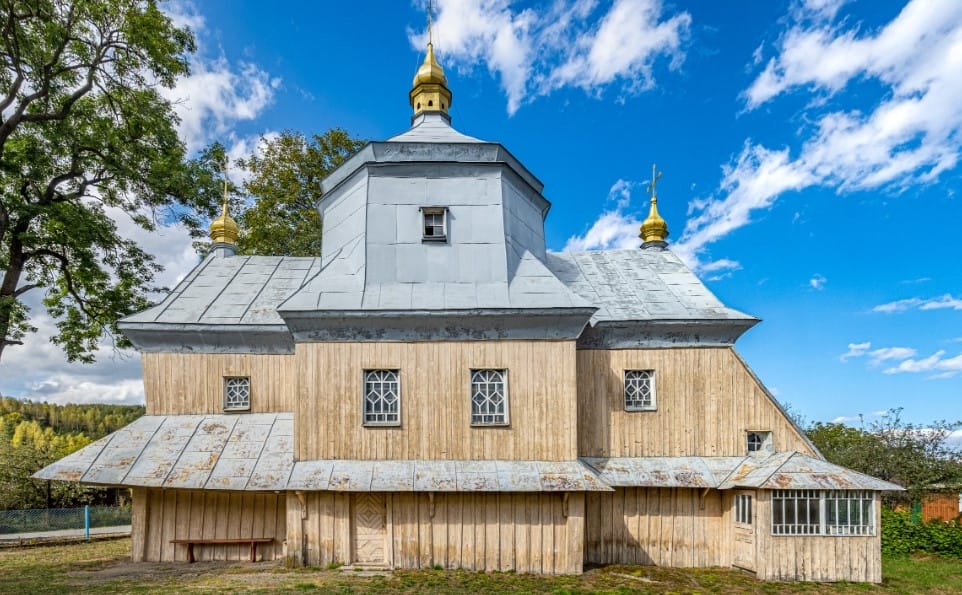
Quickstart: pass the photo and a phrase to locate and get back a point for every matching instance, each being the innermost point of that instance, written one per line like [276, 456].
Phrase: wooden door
[743, 515]
[368, 528]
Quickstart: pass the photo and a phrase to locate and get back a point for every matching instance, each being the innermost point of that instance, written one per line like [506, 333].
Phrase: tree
[285, 184]
[917, 457]
[87, 140]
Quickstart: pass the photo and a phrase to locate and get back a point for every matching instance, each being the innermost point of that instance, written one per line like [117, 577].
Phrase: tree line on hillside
[33, 435]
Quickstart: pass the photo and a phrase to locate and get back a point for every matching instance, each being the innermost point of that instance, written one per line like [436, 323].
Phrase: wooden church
[437, 389]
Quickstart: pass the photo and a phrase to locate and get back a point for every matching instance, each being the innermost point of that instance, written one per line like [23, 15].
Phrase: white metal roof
[255, 452]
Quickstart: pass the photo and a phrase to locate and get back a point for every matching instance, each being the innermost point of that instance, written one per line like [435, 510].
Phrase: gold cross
[654, 180]
[224, 170]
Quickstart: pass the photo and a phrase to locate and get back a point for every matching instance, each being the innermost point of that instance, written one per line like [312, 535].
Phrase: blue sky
[809, 152]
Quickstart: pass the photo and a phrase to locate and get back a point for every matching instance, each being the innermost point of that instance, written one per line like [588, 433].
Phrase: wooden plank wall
[674, 527]
[943, 507]
[481, 531]
[815, 558]
[706, 401]
[192, 383]
[435, 401]
[161, 515]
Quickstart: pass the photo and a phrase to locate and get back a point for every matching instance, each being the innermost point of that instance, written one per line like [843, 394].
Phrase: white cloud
[614, 228]
[938, 365]
[890, 353]
[216, 94]
[855, 350]
[535, 51]
[945, 302]
[876, 356]
[910, 136]
[817, 282]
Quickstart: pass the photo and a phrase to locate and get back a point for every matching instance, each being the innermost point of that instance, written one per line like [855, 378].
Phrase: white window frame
[648, 375]
[743, 509]
[764, 438]
[365, 394]
[431, 212]
[506, 403]
[823, 512]
[232, 382]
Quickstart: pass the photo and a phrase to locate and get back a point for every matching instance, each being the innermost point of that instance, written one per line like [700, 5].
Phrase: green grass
[103, 567]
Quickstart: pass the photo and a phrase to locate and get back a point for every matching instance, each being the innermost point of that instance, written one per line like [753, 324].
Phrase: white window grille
[237, 393]
[435, 224]
[489, 397]
[743, 509]
[823, 512]
[382, 398]
[639, 390]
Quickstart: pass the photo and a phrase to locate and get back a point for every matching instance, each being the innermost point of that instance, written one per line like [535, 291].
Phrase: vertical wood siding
[706, 400]
[657, 526]
[943, 507]
[816, 558]
[483, 531]
[193, 383]
[435, 401]
[161, 515]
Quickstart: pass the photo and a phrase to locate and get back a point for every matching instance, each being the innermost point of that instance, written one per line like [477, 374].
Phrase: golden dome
[654, 230]
[430, 71]
[224, 230]
[429, 92]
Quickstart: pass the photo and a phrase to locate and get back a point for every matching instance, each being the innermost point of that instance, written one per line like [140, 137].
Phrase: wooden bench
[190, 543]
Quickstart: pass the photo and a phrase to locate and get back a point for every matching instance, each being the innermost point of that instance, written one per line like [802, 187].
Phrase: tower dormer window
[435, 220]
[237, 393]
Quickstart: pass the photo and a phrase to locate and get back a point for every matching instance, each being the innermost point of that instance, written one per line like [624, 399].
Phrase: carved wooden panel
[368, 527]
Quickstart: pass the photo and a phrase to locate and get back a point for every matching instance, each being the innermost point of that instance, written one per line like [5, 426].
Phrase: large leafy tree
[917, 457]
[87, 140]
[285, 184]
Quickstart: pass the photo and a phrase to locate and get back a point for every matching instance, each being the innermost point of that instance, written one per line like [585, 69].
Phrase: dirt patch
[113, 570]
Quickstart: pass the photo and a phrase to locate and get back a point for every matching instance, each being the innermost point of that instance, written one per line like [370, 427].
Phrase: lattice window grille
[489, 397]
[639, 390]
[743, 509]
[237, 393]
[823, 512]
[382, 398]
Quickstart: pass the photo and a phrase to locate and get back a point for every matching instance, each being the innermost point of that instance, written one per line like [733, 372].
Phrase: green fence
[58, 519]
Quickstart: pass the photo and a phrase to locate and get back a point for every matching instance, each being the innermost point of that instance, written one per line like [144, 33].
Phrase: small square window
[237, 393]
[435, 224]
[489, 397]
[382, 398]
[639, 390]
[759, 442]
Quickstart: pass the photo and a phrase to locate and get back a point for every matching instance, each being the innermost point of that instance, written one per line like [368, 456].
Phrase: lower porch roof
[255, 452]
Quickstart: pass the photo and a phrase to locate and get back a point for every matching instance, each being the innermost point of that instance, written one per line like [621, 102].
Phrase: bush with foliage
[904, 534]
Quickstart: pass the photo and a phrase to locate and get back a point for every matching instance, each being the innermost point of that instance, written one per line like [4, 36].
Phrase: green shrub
[901, 534]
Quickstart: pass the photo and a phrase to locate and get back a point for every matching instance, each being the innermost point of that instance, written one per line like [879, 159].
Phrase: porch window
[382, 398]
[489, 397]
[639, 390]
[823, 512]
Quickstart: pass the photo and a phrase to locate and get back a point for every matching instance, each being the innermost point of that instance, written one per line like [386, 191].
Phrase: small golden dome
[654, 230]
[224, 230]
[429, 92]
[430, 71]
